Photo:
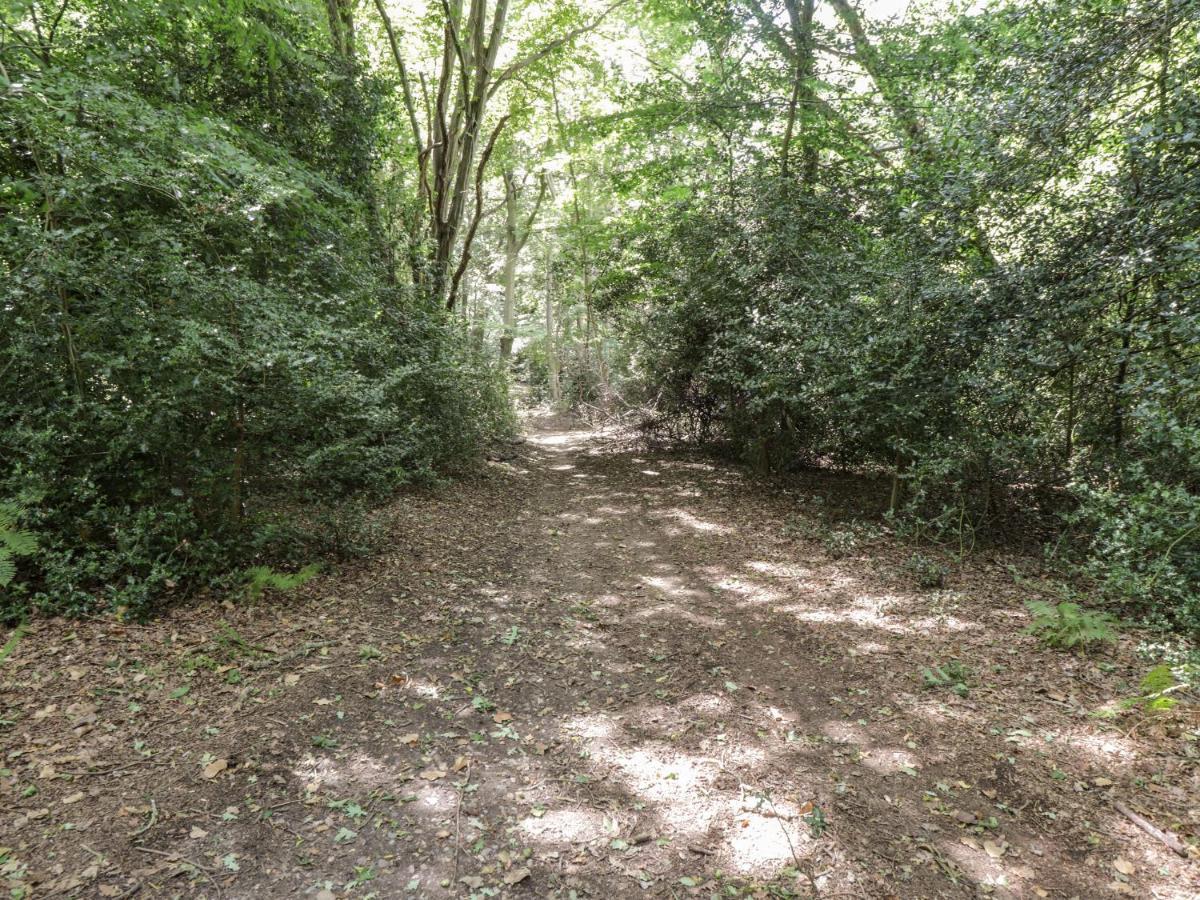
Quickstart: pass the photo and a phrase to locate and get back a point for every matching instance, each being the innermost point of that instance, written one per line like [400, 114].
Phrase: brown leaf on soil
[516, 875]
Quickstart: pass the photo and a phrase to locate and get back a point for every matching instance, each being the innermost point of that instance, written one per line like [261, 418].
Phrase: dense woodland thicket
[266, 260]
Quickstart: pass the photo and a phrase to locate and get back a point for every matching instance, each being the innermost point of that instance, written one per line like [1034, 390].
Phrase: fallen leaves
[995, 849]
[515, 876]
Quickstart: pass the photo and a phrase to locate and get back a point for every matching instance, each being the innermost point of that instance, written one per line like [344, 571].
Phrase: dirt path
[592, 672]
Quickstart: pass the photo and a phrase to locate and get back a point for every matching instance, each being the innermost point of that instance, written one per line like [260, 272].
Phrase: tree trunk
[803, 96]
[511, 249]
[551, 342]
[515, 236]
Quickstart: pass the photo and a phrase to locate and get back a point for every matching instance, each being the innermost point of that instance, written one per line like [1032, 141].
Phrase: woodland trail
[592, 671]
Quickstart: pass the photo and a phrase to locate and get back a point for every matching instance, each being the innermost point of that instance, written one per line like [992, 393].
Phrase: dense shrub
[1006, 320]
[198, 346]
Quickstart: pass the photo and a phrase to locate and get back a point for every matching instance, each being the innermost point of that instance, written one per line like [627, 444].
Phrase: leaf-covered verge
[203, 362]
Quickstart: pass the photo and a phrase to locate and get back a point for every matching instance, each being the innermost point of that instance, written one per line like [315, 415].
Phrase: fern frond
[18, 543]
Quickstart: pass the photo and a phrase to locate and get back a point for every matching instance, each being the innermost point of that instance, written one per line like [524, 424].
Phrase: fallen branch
[1151, 829]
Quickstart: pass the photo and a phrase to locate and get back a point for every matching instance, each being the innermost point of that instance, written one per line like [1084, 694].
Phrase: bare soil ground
[593, 671]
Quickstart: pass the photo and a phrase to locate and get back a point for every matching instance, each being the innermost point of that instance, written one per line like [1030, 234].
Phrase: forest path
[593, 669]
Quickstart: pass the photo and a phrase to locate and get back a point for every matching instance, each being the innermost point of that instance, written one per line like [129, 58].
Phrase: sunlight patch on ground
[594, 727]
[666, 777]
[557, 826]
[360, 770]
[613, 510]
[554, 438]
[758, 836]
[706, 704]
[694, 523]
[748, 591]
[578, 519]
[693, 466]
[761, 843]
[1103, 750]
[779, 570]
[845, 732]
[979, 867]
[675, 611]
[944, 623]
[866, 618]
[891, 761]
[764, 844]
[669, 585]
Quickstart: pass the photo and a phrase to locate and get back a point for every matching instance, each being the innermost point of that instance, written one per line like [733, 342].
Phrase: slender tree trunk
[551, 329]
[905, 114]
[511, 250]
[1069, 430]
[803, 97]
[467, 81]
[342, 36]
[516, 234]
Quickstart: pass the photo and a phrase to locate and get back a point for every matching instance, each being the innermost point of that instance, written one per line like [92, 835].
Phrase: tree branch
[469, 239]
[531, 58]
[537, 204]
[409, 105]
[452, 28]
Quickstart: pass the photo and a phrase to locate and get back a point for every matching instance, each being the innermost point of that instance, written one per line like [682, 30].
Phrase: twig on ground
[280, 659]
[458, 820]
[140, 762]
[149, 822]
[183, 860]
